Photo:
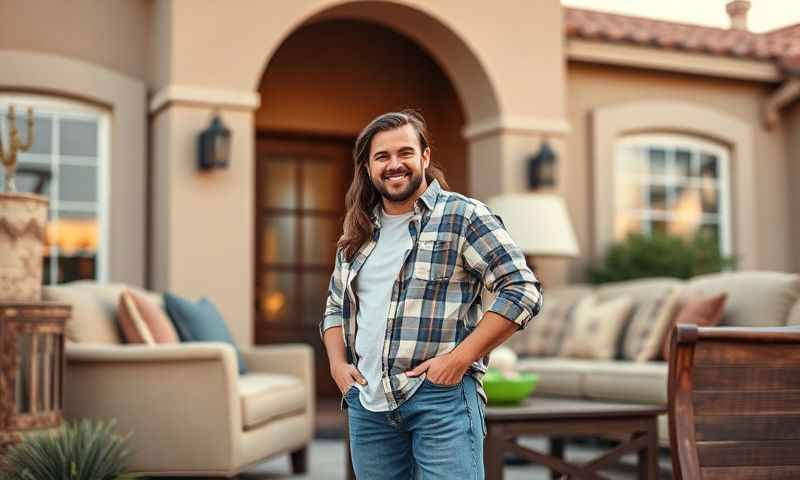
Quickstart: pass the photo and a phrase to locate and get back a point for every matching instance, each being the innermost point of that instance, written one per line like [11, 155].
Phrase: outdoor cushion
[698, 310]
[755, 298]
[557, 376]
[200, 322]
[628, 381]
[142, 321]
[653, 315]
[133, 327]
[90, 321]
[545, 332]
[595, 327]
[266, 396]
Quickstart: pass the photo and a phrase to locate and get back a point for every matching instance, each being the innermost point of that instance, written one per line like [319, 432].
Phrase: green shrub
[659, 255]
[76, 451]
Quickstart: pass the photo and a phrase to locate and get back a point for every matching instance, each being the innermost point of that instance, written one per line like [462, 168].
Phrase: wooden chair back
[734, 403]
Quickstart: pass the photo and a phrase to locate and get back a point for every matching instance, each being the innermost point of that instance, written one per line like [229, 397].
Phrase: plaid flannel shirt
[461, 248]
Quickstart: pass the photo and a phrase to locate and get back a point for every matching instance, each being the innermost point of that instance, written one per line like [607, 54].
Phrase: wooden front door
[300, 188]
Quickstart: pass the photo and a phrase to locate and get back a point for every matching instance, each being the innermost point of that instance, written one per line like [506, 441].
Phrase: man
[406, 342]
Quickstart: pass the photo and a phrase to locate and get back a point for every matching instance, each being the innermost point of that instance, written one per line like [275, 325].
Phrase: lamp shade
[538, 223]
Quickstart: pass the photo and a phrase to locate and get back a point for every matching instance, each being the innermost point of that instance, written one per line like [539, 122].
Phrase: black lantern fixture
[542, 167]
[214, 146]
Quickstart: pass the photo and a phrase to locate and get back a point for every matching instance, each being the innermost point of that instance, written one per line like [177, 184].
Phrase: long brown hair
[362, 196]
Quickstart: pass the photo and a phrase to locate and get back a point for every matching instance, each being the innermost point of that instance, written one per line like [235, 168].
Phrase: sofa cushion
[653, 315]
[600, 379]
[557, 375]
[544, 334]
[200, 322]
[595, 328]
[623, 380]
[142, 321]
[131, 322]
[266, 396]
[755, 298]
[698, 310]
[90, 321]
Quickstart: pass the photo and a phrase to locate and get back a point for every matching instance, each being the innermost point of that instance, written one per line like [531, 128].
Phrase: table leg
[493, 454]
[556, 449]
[648, 456]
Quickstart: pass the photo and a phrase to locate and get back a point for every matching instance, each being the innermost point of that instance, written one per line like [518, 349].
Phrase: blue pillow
[200, 322]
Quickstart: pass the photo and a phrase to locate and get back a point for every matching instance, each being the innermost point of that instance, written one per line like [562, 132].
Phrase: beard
[413, 184]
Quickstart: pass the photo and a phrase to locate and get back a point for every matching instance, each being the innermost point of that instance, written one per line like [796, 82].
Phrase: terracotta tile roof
[781, 45]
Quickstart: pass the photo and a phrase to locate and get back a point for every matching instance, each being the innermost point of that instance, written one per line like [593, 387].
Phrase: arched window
[68, 163]
[670, 183]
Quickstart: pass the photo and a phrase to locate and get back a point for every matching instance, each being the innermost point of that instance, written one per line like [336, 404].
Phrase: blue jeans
[438, 433]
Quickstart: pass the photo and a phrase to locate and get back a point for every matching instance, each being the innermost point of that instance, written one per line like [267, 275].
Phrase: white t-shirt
[373, 287]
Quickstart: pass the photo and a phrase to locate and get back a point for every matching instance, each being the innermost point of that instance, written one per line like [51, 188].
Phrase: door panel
[300, 188]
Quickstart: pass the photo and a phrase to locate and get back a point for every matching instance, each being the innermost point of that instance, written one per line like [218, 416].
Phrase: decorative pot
[22, 225]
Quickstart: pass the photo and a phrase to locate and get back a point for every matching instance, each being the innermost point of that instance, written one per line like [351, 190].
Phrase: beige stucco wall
[217, 56]
[115, 34]
[595, 86]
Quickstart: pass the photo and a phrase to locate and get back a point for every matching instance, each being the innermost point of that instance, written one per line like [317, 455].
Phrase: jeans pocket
[440, 386]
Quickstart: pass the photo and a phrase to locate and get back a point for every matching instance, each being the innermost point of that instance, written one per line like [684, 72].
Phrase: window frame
[58, 108]
[670, 142]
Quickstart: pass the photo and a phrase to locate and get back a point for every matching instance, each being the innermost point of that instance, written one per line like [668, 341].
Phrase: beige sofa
[754, 299]
[189, 410]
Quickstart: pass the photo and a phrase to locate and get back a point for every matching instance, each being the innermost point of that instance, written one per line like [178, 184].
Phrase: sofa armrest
[181, 402]
[296, 359]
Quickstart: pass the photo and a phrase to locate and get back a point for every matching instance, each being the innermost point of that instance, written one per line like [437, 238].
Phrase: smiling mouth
[395, 177]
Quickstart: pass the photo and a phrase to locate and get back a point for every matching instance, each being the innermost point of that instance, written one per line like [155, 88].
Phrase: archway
[321, 86]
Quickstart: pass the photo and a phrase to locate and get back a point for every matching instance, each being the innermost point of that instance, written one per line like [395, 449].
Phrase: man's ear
[426, 158]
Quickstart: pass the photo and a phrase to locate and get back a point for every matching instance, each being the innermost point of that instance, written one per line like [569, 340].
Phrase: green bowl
[505, 391]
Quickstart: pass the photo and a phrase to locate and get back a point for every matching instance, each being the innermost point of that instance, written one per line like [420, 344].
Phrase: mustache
[389, 173]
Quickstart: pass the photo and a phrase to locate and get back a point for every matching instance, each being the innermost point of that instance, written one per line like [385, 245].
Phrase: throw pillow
[543, 335]
[699, 310]
[139, 317]
[200, 322]
[643, 338]
[133, 326]
[595, 327]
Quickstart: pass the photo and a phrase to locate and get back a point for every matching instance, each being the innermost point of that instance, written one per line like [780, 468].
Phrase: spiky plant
[77, 451]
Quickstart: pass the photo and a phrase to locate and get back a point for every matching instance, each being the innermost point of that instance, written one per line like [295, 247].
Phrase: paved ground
[327, 463]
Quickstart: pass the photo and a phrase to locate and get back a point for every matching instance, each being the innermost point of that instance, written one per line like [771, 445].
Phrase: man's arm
[330, 329]
[490, 253]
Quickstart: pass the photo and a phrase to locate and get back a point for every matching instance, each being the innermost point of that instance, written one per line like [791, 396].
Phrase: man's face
[396, 164]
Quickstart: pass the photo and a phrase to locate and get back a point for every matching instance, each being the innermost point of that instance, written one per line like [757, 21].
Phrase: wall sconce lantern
[214, 146]
[542, 167]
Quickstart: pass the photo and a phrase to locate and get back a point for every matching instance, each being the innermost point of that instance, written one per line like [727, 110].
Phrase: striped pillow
[652, 317]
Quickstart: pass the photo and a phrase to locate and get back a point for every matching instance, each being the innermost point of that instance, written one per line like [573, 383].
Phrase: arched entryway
[320, 87]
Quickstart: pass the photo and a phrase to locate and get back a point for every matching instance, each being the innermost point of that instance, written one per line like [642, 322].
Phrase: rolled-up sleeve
[489, 252]
[333, 305]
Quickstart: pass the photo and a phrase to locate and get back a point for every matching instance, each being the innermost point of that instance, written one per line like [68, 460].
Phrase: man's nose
[394, 162]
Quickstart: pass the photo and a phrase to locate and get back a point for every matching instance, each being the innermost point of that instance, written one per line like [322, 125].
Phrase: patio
[326, 463]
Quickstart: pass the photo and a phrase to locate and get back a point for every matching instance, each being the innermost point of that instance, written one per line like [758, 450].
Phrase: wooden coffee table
[556, 418]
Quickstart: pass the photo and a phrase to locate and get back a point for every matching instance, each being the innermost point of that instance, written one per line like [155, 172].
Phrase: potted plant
[76, 451]
[22, 224]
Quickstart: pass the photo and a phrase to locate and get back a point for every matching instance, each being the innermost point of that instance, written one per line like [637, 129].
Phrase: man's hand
[447, 369]
[345, 375]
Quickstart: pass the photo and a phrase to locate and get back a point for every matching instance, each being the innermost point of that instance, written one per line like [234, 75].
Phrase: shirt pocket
[436, 260]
